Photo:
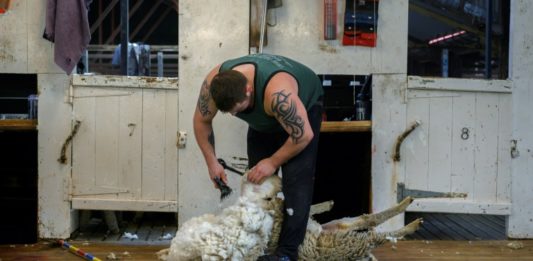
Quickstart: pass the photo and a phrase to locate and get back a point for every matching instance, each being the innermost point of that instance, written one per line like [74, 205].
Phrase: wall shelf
[346, 126]
[18, 125]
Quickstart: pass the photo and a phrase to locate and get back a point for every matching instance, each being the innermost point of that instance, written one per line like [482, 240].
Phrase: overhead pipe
[124, 36]
[488, 39]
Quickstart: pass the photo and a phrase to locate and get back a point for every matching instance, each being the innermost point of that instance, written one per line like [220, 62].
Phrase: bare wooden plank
[404, 250]
[18, 124]
[346, 126]
[113, 81]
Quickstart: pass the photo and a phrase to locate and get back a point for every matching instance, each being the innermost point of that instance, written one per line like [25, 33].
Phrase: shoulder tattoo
[203, 100]
[285, 110]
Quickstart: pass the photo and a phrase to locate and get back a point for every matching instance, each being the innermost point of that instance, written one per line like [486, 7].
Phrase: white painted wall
[520, 223]
[209, 33]
[299, 34]
[23, 50]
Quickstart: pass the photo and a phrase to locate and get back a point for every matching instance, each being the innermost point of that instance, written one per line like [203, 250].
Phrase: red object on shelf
[360, 38]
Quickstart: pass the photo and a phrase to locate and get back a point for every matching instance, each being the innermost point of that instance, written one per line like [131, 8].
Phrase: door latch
[182, 139]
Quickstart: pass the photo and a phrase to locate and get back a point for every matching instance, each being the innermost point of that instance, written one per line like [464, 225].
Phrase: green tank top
[266, 65]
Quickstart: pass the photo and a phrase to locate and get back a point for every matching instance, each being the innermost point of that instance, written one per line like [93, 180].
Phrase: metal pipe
[159, 64]
[263, 25]
[124, 36]
[488, 39]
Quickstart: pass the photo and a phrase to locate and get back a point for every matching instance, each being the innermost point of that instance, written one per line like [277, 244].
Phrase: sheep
[240, 232]
[252, 226]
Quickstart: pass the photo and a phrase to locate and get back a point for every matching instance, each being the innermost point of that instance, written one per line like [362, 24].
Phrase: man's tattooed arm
[285, 110]
[203, 100]
[211, 139]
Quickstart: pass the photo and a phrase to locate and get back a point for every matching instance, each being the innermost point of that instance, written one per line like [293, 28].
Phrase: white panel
[439, 144]
[124, 153]
[459, 206]
[457, 84]
[388, 122]
[463, 141]
[171, 150]
[486, 131]
[504, 149]
[153, 145]
[106, 128]
[83, 156]
[463, 134]
[124, 204]
[415, 146]
[53, 184]
[40, 50]
[129, 139]
[14, 38]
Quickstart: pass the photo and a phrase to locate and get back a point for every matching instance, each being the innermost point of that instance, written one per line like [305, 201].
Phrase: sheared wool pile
[240, 232]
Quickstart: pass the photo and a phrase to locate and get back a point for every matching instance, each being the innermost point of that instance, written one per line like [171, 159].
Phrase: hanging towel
[67, 26]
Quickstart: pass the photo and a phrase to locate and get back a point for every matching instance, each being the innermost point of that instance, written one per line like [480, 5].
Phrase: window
[447, 38]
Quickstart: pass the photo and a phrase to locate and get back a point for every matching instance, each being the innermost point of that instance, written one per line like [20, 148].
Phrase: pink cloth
[67, 25]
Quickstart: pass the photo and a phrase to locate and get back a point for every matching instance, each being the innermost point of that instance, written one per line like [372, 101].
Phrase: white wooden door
[124, 155]
[461, 149]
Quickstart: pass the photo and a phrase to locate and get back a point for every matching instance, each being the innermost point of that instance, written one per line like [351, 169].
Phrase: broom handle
[78, 251]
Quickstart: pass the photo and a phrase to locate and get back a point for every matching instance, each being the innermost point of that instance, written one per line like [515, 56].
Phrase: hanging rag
[67, 26]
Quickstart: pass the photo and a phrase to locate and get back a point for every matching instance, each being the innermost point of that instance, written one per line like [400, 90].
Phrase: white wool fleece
[240, 232]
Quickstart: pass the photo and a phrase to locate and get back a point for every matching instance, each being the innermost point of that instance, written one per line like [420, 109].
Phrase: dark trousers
[297, 179]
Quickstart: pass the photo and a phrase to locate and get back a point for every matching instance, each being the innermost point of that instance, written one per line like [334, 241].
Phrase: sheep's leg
[321, 207]
[406, 230]
[368, 220]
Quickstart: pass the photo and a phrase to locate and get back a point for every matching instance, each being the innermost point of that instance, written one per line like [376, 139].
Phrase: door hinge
[403, 192]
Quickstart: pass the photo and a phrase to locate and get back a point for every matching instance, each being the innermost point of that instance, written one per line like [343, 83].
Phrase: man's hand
[264, 169]
[217, 170]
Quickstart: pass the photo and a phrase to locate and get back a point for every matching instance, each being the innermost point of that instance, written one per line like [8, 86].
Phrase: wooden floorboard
[403, 250]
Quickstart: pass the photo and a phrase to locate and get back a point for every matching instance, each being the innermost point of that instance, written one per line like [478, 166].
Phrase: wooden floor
[400, 251]
[442, 237]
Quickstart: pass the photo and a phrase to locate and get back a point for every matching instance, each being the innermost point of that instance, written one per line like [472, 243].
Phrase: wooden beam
[116, 30]
[346, 126]
[103, 15]
[145, 18]
[17, 125]
[155, 25]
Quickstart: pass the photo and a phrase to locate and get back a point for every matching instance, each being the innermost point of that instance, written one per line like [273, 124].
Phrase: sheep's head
[264, 193]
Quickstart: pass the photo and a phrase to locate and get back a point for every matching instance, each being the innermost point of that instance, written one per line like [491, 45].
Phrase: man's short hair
[227, 89]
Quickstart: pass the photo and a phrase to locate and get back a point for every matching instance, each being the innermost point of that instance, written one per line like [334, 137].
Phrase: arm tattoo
[211, 139]
[203, 100]
[285, 110]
